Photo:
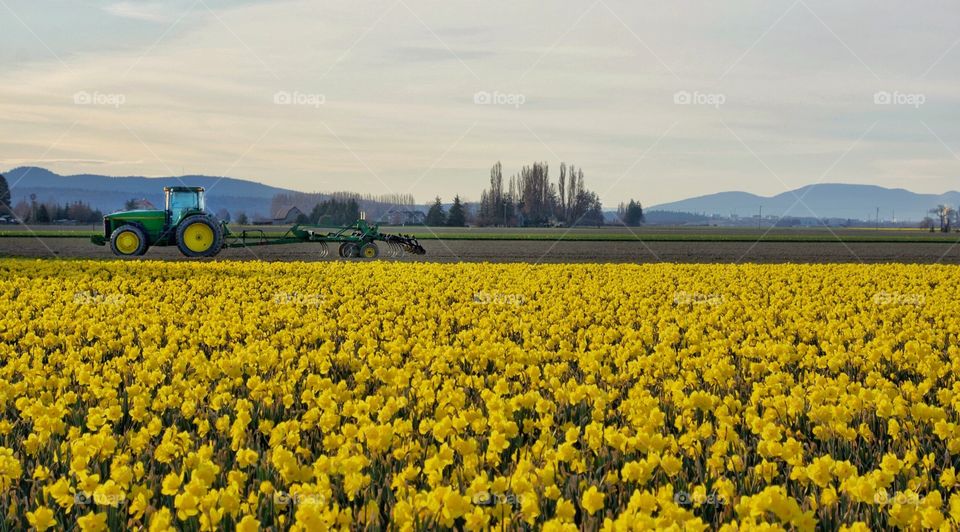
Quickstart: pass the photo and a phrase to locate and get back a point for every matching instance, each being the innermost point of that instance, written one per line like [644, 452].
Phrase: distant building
[287, 215]
[403, 217]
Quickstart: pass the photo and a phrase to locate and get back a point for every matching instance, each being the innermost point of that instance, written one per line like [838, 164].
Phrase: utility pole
[878, 218]
[760, 218]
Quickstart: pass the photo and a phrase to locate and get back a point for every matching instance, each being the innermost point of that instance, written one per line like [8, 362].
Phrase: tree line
[47, 212]
[529, 198]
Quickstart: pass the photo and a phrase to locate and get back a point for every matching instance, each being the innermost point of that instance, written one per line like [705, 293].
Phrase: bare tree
[944, 213]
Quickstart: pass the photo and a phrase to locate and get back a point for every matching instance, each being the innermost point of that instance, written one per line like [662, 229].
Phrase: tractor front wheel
[369, 251]
[128, 240]
[199, 236]
[349, 250]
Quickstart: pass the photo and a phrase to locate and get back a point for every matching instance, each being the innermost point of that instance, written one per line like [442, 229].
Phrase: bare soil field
[541, 251]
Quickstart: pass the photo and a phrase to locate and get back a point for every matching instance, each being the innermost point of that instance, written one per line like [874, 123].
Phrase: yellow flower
[41, 518]
[139, 505]
[161, 521]
[247, 457]
[671, 465]
[455, 505]
[819, 470]
[566, 511]
[476, 519]
[61, 493]
[266, 487]
[171, 484]
[41, 473]
[248, 524]
[10, 469]
[109, 494]
[828, 497]
[948, 478]
[93, 522]
[891, 464]
[592, 500]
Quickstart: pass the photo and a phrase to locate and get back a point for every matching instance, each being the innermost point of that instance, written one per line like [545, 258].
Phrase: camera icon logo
[482, 98]
[82, 98]
[483, 498]
[882, 98]
[282, 98]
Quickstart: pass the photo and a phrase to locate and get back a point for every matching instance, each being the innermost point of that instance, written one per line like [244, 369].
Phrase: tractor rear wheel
[349, 250]
[369, 251]
[128, 240]
[199, 236]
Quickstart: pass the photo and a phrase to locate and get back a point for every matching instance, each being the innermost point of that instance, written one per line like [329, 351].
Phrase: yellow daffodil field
[371, 396]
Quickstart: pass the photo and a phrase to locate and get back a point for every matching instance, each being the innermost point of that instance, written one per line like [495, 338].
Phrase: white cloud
[145, 11]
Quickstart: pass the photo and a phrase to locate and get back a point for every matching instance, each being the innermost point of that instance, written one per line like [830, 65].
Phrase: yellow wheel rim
[369, 252]
[198, 237]
[127, 242]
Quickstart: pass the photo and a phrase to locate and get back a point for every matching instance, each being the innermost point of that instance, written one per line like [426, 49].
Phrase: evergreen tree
[457, 216]
[631, 213]
[43, 215]
[436, 216]
[5, 206]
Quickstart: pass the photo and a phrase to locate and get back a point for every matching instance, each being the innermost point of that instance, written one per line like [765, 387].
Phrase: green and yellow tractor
[185, 223]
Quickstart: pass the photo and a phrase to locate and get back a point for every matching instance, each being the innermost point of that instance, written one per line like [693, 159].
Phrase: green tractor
[183, 222]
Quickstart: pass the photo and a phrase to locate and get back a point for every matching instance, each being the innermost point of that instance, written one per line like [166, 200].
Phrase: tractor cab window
[180, 201]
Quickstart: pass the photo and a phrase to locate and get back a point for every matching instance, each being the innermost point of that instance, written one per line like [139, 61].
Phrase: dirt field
[543, 251]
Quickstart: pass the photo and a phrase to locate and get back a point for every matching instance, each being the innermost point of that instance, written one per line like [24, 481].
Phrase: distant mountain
[827, 200]
[109, 193]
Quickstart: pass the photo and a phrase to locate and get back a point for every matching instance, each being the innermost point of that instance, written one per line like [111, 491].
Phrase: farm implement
[185, 223]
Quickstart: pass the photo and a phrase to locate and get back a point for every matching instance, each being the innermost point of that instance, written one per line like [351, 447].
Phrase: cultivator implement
[358, 240]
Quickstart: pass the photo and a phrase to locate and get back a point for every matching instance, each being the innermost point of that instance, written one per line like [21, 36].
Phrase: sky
[656, 101]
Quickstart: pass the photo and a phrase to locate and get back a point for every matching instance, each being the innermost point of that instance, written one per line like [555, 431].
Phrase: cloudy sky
[655, 100]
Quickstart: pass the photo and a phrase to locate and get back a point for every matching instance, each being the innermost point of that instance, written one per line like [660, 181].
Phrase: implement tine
[407, 243]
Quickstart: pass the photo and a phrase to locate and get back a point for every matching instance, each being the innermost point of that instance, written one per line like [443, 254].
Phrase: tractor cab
[183, 200]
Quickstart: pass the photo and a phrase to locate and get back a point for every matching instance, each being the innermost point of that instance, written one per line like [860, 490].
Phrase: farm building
[403, 217]
[287, 215]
